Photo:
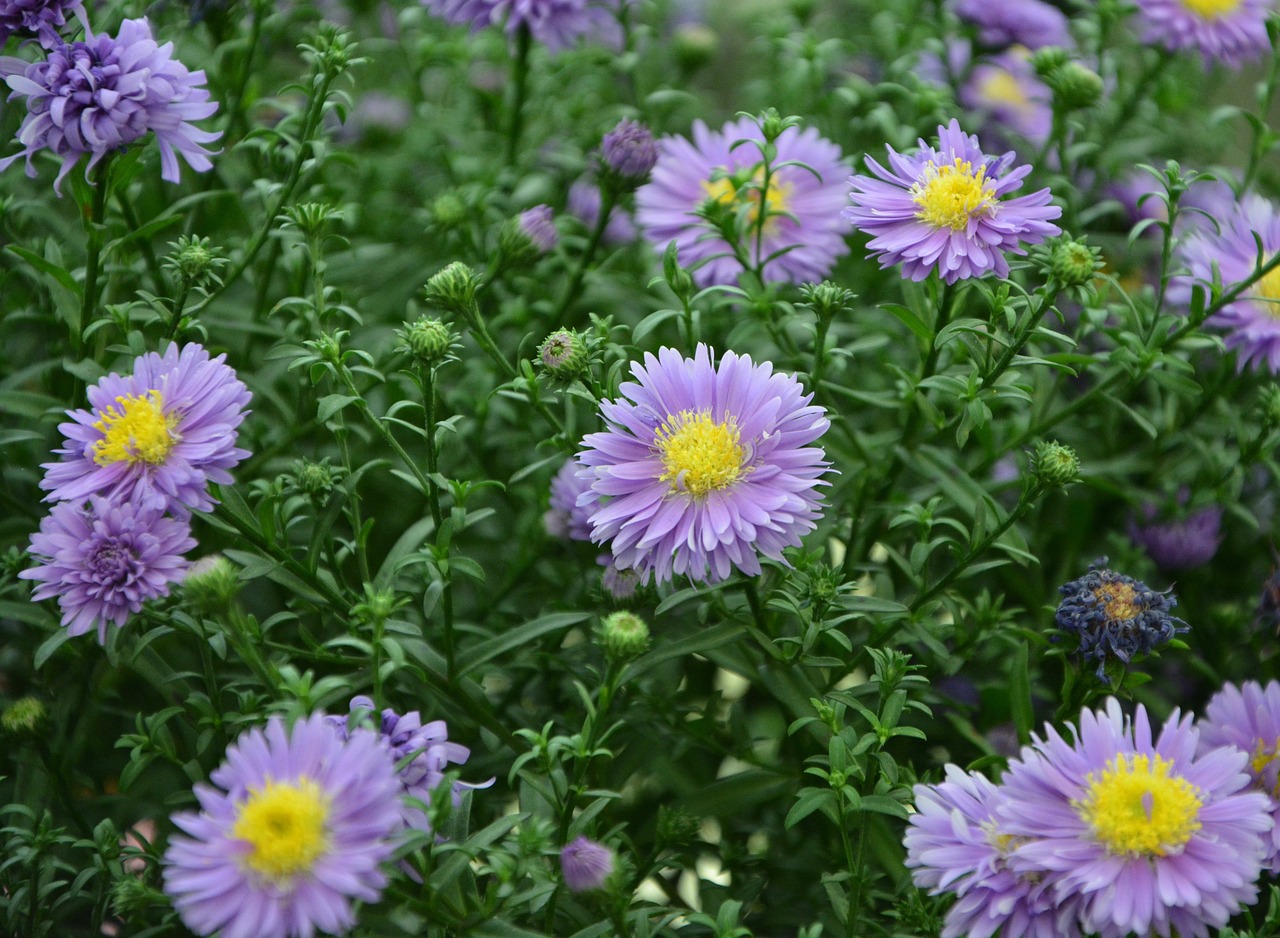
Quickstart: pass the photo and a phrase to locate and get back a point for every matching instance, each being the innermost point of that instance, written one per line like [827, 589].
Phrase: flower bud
[23, 717]
[629, 152]
[564, 356]
[585, 864]
[427, 340]
[624, 636]
[454, 289]
[1054, 464]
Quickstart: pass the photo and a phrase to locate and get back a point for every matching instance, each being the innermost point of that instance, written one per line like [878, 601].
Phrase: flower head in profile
[1149, 834]
[1227, 247]
[585, 864]
[956, 844]
[39, 19]
[556, 24]
[1248, 717]
[156, 438]
[566, 518]
[1181, 543]
[788, 223]
[947, 209]
[96, 97]
[297, 827]
[419, 752]
[103, 560]
[1226, 31]
[1115, 617]
[1030, 23]
[705, 466]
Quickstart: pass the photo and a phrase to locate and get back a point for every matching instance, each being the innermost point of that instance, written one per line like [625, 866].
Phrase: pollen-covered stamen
[700, 455]
[1137, 807]
[734, 193]
[284, 825]
[137, 431]
[949, 196]
[1212, 9]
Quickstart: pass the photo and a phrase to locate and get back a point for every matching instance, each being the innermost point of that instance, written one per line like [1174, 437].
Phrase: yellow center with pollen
[284, 825]
[1212, 9]
[753, 193]
[699, 455]
[135, 430]
[1119, 600]
[1137, 807]
[948, 196]
[1000, 87]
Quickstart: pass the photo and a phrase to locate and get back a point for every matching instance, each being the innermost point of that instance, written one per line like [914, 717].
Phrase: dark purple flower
[104, 560]
[42, 19]
[1182, 543]
[557, 24]
[629, 151]
[419, 752]
[585, 864]
[96, 97]
[1029, 23]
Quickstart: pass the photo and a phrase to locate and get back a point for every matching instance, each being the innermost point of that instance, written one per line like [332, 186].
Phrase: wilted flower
[1115, 617]
[1248, 717]
[1148, 835]
[100, 95]
[299, 825]
[1228, 248]
[565, 519]
[41, 19]
[585, 864]
[1226, 31]
[156, 438]
[705, 466]
[556, 24]
[945, 209]
[419, 752]
[1029, 23]
[105, 559]
[1182, 543]
[801, 235]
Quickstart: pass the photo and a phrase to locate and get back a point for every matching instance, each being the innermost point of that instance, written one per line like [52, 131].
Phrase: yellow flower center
[284, 824]
[950, 195]
[1137, 808]
[1212, 9]
[1119, 600]
[733, 194]
[1000, 87]
[137, 432]
[699, 454]
[1267, 289]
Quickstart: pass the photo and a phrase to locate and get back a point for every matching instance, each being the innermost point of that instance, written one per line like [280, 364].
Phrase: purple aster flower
[1248, 717]
[1007, 95]
[1029, 23]
[956, 844]
[158, 437]
[41, 19]
[705, 466]
[1226, 31]
[801, 235]
[98, 96]
[1150, 835]
[629, 151]
[585, 864]
[584, 203]
[945, 209]
[420, 754]
[103, 560]
[1182, 543]
[556, 24]
[566, 518]
[299, 825]
[1252, 321]
[1115, 617]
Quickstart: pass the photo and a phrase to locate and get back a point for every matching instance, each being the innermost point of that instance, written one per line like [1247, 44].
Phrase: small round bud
[23, 717]
[448, 210]
[629, 152]
[624, 636]
[585, 864]
[564, 356]
[1048, 59]
[827, 299]
[1054, 464]
[427, 340]
[1074, 86]
[211, 584]
[695, 45]
[454, 288]
[1073, 263]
